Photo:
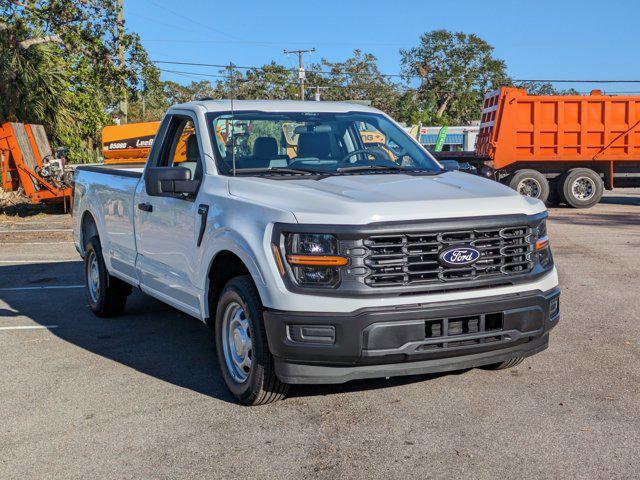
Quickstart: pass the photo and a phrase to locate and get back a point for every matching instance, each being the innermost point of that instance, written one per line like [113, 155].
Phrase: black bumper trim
[387, 339]
[295, 373]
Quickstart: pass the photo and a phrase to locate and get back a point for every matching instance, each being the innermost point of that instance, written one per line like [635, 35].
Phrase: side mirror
[450, 165]
[161, 181]
[468, 168]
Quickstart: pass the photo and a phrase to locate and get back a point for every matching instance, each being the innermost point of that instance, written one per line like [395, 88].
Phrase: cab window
[181, 147]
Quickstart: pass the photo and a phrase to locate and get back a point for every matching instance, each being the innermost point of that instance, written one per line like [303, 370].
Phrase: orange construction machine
[27, 162]
[129, 143]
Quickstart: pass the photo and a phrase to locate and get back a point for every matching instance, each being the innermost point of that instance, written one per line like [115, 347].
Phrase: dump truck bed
[517, 127]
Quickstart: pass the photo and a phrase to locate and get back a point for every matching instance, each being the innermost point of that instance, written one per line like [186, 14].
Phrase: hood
[368, 198]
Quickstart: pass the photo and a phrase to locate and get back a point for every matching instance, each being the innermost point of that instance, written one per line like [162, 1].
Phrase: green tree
[268, 82]
[356, 78]
[453, 71]
[544, 88]
[59, 67]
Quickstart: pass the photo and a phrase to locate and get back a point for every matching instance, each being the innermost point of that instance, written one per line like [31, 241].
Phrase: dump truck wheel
[245, 361]
[581, 188]
[106, 295]
[530, 183]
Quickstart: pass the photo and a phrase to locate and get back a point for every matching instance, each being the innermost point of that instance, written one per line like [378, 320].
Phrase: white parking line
[36, 262]
[41, 287]
[31, 327]
[36, 243]
[18, 230]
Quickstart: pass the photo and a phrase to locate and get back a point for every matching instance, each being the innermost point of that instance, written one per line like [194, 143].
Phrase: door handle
[145, 207]
[203, 211]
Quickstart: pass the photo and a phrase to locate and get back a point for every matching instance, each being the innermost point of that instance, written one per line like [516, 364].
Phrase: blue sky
[537, 39]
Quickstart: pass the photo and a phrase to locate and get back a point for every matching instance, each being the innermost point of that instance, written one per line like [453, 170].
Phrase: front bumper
[409, 339]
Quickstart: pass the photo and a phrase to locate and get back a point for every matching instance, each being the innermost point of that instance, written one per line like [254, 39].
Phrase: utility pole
[301, 72]
[318, 88]
[124, 104]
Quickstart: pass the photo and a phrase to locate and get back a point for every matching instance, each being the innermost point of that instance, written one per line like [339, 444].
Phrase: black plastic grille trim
[406, 259]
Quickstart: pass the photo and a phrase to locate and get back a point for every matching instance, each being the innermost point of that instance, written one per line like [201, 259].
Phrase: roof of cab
[278, 106]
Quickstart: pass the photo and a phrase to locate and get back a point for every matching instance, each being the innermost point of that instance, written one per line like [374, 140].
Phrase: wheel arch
[226, 263]
[88, 229]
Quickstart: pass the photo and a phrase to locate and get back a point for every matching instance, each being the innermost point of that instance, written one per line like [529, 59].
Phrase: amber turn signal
[276, 255]
[542, 243]
[317, 260]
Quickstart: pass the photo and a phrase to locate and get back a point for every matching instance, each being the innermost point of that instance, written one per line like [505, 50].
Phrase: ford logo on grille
[459, 256]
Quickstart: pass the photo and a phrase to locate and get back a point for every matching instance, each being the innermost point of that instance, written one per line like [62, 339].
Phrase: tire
[581, 188]
[530, 183]
[106, 295]
[246, 363]
[504, 365]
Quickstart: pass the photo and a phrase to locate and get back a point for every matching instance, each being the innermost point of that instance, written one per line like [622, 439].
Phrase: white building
[458, 139]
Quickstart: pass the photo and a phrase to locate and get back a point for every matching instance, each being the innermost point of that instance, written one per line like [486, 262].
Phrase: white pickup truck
[318, 256]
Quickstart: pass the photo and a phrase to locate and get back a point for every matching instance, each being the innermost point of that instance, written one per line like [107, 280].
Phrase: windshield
[310, 142]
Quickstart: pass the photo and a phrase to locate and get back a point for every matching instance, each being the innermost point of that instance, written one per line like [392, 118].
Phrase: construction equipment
[558, 148]
[128, 143]
[27, 162]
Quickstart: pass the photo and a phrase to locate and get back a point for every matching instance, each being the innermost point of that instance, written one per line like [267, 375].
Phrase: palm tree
[34, 85]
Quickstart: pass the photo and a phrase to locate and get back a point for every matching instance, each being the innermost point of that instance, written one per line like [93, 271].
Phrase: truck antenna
[233, 125]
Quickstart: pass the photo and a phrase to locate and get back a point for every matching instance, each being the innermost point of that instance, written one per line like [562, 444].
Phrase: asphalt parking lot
[141, 396]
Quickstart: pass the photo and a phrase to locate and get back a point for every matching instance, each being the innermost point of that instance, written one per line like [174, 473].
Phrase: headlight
[543, 250]
[314, 259]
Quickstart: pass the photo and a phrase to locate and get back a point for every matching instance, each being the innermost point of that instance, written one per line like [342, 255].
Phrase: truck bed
[133, 170]
[109, 191]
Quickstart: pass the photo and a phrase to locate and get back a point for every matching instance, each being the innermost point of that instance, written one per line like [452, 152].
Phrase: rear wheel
[106, 295]
[581, 188]
[246, 363]
[530, 183]
[512, 362]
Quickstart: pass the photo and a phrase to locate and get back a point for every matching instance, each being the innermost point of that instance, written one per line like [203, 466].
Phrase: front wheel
[530, 183]
[246, 363]
[512, 362]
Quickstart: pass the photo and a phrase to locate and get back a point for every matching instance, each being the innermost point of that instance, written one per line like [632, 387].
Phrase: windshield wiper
[362, 168]
[279, 170]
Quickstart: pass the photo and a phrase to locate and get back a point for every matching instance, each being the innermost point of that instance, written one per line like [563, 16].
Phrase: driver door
[167, 224]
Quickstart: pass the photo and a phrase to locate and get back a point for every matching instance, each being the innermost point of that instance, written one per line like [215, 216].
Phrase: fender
[228, 240]
[88, 207]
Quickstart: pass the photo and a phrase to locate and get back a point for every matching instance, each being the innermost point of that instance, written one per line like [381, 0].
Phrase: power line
[200, 75]
[200, 24]
[391, 75]
[579, 81]
[191, 20]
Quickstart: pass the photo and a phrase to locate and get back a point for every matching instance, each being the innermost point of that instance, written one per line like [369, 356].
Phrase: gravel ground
[141, 396]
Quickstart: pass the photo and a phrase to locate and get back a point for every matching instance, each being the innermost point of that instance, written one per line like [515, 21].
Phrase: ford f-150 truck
[318, 258]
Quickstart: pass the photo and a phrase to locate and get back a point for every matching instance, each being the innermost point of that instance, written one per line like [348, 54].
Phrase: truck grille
[405, 259]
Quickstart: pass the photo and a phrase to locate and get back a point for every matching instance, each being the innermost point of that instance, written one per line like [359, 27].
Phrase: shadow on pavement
[615, 200]
[630, 219]
[151, 337]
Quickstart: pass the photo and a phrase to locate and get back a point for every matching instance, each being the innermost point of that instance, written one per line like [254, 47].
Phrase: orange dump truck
[561, 148]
